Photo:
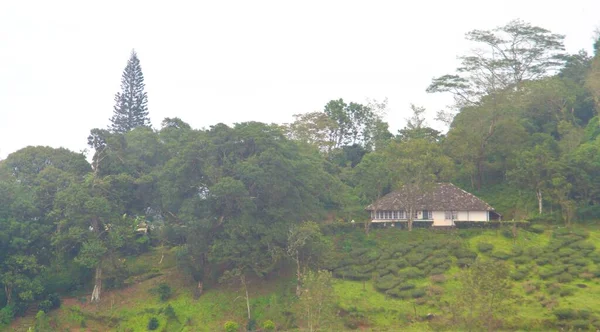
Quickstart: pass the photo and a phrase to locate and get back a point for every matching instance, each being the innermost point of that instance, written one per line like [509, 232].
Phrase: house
[443, 204]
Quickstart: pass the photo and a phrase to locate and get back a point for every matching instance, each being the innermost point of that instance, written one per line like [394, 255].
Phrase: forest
[233, 204]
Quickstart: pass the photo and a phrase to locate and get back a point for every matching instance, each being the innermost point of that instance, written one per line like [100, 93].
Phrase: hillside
[554, 275]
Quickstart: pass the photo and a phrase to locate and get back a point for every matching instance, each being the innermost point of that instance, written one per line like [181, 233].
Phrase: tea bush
[485, 247]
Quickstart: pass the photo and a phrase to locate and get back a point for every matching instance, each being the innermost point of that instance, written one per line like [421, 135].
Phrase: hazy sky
[231, 61]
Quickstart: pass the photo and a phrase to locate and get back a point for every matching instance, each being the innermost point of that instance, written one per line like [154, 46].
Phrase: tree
[307, 247]
[131, 104]
[534, 167]
[317, 300]
[509, 55]
[416, 127]
[372, 179]
[485, 293]
[91, 223]
[415, 167]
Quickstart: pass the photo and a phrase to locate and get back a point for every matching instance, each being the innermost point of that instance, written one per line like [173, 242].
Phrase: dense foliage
[236, 200]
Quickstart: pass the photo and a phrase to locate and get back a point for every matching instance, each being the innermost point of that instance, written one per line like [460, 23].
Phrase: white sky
[232, 61]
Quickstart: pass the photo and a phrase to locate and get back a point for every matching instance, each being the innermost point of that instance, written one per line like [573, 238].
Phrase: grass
[131, 308]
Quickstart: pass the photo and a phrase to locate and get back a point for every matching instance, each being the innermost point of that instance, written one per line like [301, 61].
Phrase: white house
[443, 204]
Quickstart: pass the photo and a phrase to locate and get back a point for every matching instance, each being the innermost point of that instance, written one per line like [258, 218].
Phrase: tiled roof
[443, 196]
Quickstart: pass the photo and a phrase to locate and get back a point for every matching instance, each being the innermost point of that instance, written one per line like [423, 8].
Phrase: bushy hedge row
[488, 224]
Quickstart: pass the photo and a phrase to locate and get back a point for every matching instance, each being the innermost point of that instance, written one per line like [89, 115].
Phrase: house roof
[444, 196]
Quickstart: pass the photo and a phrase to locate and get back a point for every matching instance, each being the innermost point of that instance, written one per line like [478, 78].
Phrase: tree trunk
[243, 279]
[8, 291]
[298, 275]
[98, 284]
[410, 219]
[538, 194]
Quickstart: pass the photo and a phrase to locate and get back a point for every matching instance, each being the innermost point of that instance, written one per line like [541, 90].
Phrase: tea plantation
[394, 277]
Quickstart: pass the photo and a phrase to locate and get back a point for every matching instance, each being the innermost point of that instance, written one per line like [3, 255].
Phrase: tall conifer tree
[131, 103]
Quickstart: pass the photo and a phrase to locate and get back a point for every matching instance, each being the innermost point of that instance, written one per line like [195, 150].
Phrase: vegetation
[249, 226]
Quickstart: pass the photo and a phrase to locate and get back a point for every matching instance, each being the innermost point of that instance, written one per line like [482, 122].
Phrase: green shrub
[464, 262]
[251, 325]
[418, 293]
[464, 253]
[564, 314]
[411, 273]
[507, 233]
[439, 269]
[566, 291]
[566, 252]
[538, 229]
[153, 324]
[485, 247]
[518, 275]
[522, 259]
[55, 299]
[541, 261]
[501, 255]
[414, 258]
[231, 326]
[45, 306]
[580, 262]
[6, 315]
[564, 277]
[404, 287]
[268, 325]
[437, 261]
[164, 291]
[581, 325]
[595, 257]
[387, 282]
[533, 252]
[170, 312]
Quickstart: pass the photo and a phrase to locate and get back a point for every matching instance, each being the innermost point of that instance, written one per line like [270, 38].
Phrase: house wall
[439, 217]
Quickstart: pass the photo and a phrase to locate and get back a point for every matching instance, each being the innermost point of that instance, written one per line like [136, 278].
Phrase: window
[401, 214]
[426, 214]
[416, 215]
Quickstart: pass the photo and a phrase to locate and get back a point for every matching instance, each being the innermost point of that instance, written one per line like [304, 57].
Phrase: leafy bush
[564, 277]
[231, 326]
[45, 306]
[501, 255]
[170, 312]
[439, 269]
[386, 282]
[418, 293]
[581, 325]
[403, 287]
[533, 252]
[268, 325]
[415, 258]
[55, 299]
[538, 229]
[518, 275]
[251, 325]
[566, 252]
[164, 291]
[544, 260]
[580, 262]
[6, 315]
[464, 262]
[464, 253]
[566, 291]
[153, 324]
[485, 247]
[522, 259]
[595, 257]
[564, 314]
[411, 273]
